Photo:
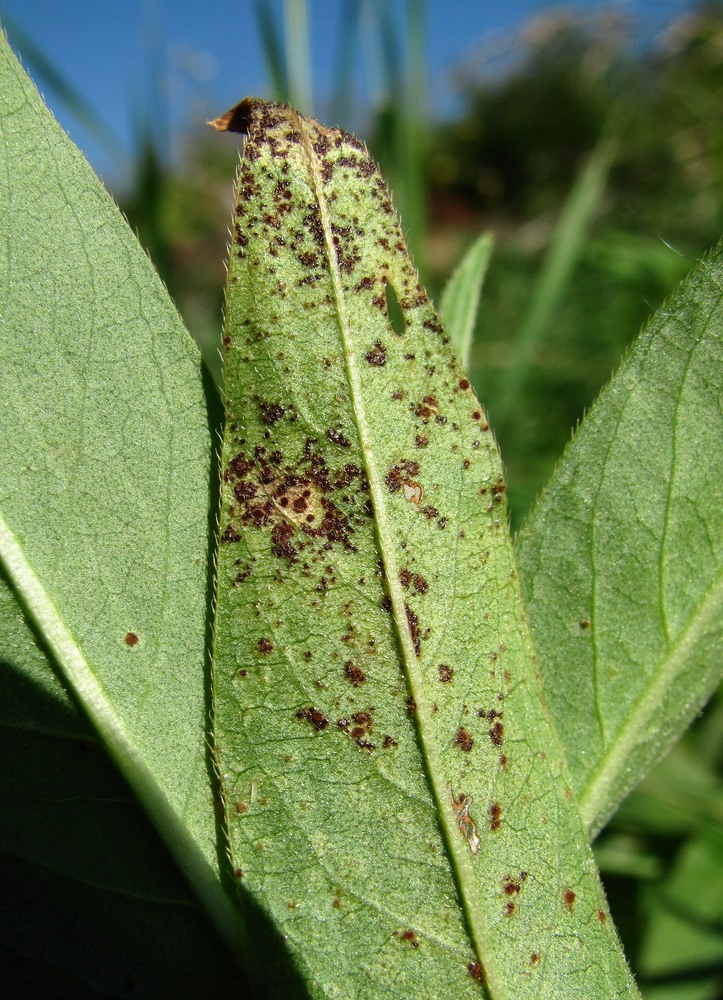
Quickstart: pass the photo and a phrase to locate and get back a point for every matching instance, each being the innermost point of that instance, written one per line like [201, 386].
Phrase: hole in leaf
[394, 310]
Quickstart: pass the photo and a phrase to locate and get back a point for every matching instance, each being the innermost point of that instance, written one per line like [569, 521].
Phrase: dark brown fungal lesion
[445, 673]
[314, 717]
[354, 673]
[377, 355]
[464, 740]
[131, 639]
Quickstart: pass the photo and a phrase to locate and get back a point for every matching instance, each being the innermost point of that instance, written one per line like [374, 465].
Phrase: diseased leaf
[105, 464]
[461, 295]
[621, 559]
[395, 795]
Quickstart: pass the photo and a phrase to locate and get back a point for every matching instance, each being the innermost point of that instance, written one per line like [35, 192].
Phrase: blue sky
[184, 62]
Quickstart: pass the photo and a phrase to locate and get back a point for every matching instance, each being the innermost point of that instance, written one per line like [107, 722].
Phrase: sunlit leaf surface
[622, 558]
[395, 796]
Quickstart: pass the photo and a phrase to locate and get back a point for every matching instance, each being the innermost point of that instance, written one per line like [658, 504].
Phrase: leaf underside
[396, 798]
[105, 458]
[622, 558]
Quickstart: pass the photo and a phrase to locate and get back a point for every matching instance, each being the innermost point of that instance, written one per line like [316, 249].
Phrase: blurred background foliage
[597, 165]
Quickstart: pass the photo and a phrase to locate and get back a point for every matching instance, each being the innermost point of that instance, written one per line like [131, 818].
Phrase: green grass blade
[460, 298]
[396, 799]
[298, 62]
[564, 251]
[621, 559]
[105, 460]
[273, 49]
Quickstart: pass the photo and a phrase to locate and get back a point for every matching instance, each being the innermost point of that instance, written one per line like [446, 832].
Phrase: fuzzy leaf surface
[396, 799]
[622, 558]
[105, 458]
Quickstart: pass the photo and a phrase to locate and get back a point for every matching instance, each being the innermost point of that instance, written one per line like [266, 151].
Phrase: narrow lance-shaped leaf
[395, 796]
[622, 558]
[460, 298]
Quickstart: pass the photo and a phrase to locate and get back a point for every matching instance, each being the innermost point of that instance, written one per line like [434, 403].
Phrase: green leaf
[92, 903]
[105, 466]
[396, 799]
[461, 295]
[621, 558]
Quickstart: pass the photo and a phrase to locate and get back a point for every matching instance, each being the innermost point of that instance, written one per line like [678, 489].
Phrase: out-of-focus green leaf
[683, 946]
[396, 798]
[621, 558]
[105, 467]
[460, 298]
[562, 256]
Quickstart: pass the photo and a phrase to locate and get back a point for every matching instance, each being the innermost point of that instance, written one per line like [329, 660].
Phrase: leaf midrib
[460, 864]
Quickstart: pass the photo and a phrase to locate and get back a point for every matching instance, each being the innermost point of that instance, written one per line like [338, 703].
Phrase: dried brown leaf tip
[237, 118]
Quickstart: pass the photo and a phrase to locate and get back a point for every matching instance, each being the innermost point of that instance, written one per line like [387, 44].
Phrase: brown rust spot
[568, 898]
[463, 739]
[477, 972]
[377, 356]
[495, 816]
[445, 673]
[131, 639]
[414, 632]
[354, 674]
[264, 646]
[313, 716]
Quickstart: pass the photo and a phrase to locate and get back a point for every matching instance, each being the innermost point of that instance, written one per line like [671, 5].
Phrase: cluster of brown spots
[495, 816]
[354, 674]
[359, 727]
[294, 501]
[377, 356]
[477, 972]
[464, 740]
[313, 716]
[568, 898]
[400, 476]
[389, 741]
[445, 673]
[421, 441]
[430, 512]
[264, 646]
[338, 437]
[131, 639]
[428, 408]
[512, 886]
[243, 574]
[461, 805]
[409, 936]
[497, 733]
[271, 413]
[414, 632]
[407, 579]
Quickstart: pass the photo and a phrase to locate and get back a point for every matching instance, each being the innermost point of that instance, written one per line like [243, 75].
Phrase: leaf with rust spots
[362, 485]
